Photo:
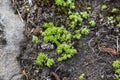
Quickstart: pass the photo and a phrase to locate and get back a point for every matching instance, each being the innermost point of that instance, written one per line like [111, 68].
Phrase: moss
[76, 18]
[114, 10]
[116, 66]
[92, 23]
[65, 51]
[55, 35]
[111, 19]
[82, 77]
[65, 3]
[85, 31]
[35, 39]
[42, 59]
[118, 18]
[77, 34]
[84, 14]
[104, 7]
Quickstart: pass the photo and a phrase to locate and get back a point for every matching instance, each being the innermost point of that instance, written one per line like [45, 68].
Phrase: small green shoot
[55, 35]
[116, 66]
[48, 25]
[76, 18]
[85, 31]
[118, 25]
[111, 19]
[77, 34]
[117, 74]
[71, 4]
[65, 51]
[118, 18]
[42, 59]
[65, 3]
[82, 77]
[92, 23]
[60, 2]
[84, 14]
[50, 62]
[114, 10]
[35, 39]
[104, 7]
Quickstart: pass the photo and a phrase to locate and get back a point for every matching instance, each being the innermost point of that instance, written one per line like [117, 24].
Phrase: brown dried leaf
[109, 50]
[37, 31]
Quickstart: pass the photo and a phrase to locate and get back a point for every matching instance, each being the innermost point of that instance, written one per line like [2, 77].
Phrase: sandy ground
[12, 28]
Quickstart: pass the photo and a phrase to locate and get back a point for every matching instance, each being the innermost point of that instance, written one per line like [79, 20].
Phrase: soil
[90, 60]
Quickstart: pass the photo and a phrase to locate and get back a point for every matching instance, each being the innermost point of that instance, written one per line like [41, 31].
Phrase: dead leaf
[108, 50]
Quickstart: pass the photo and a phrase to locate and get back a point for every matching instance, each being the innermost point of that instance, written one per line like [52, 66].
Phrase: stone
[11, 31]
[47, 46]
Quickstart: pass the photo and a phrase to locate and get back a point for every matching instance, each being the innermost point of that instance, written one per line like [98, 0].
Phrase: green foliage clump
[54, 34]
[65, 3]
[48, 25]
[104, 7]
[92, 23]
[71, 4]
[75, 17]
[85, 31]
[111, 19]
[42, 59]
[116, 66]
[60, 2]
[118, 18]
[114, 10]
[50, 62]
[118, 25]
[77, 34]
[84, 14]
[82, 77]
[65, 51]
[35, 39]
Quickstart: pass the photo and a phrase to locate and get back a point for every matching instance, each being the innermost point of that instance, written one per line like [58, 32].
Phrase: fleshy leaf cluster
[55, 35]
[42, 59]
[65, 51]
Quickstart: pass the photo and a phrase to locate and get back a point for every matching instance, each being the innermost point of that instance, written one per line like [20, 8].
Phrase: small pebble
[47, 46]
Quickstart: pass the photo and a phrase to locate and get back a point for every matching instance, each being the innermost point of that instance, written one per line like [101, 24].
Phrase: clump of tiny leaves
[92, 23]
[85, 31]
[116, 66]
[65, 3]
[111, 19]
[76, 18]
[77, 34]
[104, 7]
[35, 39]
[84, 14]
[42, 59]
[115, 10]
[82, 77]
[65, 51]
[55, 34]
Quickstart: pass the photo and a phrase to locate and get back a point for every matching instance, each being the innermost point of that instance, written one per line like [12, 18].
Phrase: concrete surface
[12, 33]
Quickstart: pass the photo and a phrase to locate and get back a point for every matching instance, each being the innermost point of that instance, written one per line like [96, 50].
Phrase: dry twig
[17, 10]
[25, 74]
[55, 76]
